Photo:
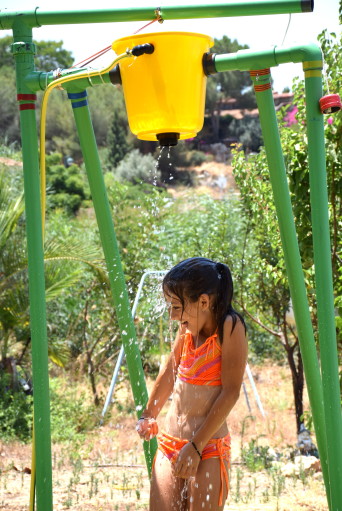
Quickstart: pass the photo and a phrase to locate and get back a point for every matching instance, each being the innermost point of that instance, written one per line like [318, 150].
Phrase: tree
[222, 86]
[67, 187]
[51, 55]
[6, 56]
[118, 146]
[247, 131]
[9, 117]
[136, 168]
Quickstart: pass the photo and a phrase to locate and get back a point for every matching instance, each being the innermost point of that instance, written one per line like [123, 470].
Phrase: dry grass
[108, 473]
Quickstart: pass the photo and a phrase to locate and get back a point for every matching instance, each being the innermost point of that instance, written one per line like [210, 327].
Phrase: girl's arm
[234, 359]
[165, 380]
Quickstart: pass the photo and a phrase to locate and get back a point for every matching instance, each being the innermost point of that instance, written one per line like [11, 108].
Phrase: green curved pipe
[247, 60]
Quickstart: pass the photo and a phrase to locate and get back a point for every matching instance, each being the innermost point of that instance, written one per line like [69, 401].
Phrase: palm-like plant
[65, 262]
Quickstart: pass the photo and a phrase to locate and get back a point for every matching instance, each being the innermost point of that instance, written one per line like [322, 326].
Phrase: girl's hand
[187, 462]
[147, 428]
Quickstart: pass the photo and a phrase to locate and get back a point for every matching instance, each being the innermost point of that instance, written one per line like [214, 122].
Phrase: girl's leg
[167, 491]
[204, 489]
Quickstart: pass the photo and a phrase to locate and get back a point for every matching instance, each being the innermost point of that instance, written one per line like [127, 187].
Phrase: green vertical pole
[112, 256]
[23, 50]
[276, 164]
[323, 276]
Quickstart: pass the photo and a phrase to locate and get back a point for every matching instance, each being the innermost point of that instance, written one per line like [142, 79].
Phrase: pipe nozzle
[167, 139]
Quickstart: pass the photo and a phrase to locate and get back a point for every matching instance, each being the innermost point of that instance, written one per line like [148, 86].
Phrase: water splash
[184, 492]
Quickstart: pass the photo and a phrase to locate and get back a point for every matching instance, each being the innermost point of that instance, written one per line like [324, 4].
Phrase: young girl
[204, 373]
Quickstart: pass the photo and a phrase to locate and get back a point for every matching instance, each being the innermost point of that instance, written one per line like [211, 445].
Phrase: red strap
[26, 97]
[223, 469]
[260, 72]
[27, 106]
[261, 87]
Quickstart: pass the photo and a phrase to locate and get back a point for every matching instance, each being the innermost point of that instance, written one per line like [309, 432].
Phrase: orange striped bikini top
[202, 365]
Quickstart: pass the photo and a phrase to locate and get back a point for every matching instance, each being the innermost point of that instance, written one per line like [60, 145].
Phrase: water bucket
[165, 91]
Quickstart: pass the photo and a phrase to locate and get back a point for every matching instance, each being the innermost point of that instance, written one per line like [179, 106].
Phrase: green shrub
[136, 167]
[196, 157]
[67, 187]
[15, 412]
[256, 457]
[71, 415]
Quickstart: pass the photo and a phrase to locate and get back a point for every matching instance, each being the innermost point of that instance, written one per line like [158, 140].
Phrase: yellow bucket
[165, 91]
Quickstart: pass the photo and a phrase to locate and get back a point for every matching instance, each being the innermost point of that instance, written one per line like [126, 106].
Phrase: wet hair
[195, 276]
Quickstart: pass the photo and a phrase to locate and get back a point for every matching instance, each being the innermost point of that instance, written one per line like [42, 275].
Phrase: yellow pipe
[33, 472]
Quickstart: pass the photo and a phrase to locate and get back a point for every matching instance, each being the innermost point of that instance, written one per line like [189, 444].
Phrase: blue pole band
[78, 104]
[77, 95]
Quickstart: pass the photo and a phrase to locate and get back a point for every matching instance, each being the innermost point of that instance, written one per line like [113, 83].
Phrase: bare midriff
[189, 408]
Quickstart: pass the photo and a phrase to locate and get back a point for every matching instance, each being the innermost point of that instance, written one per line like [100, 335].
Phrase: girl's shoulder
[181, 336]
[234, 326]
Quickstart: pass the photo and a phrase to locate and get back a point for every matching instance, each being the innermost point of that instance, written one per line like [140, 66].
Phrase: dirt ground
[107, 471]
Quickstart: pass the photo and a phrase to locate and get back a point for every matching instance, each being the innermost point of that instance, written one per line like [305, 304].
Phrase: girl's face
[195, 316]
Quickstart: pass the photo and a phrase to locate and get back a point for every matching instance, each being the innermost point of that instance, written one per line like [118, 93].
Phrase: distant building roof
[240, 113]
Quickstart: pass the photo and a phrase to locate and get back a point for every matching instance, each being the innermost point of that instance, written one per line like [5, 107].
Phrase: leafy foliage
[71, 413]
[136, 167]
[9, 120]
[65, 260]
[222, 86]
[15, 411]
[51, 55]
[67, 187]
[117, 140]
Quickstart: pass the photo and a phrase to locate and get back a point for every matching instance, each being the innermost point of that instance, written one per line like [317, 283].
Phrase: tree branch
[258, 322]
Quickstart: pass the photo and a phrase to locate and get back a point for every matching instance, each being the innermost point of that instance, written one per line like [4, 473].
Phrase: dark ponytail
[195, 276]
[223, 306]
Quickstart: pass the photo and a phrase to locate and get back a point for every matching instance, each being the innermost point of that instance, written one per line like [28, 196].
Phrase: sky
[258, 32]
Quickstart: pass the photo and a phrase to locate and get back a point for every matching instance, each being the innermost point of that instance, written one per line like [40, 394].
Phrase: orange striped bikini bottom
[215, 448]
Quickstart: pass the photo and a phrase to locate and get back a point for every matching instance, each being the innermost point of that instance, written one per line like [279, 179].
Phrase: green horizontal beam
[247, 60]
[37, 17]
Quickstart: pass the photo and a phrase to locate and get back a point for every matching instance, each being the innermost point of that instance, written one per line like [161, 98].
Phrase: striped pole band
[260, 72]
[260, 88]
[261, 79]
[78, 95]
[28, 100]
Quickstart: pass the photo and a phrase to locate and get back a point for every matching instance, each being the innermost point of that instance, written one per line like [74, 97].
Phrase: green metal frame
[113, 262]
[323, 388]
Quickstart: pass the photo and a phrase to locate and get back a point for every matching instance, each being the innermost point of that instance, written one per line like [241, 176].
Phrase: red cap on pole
[330, 104]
